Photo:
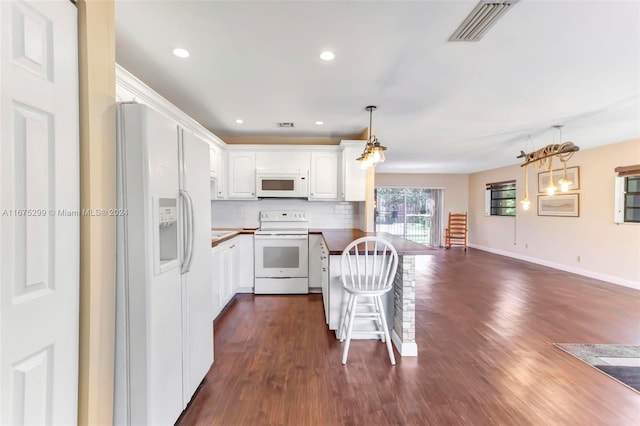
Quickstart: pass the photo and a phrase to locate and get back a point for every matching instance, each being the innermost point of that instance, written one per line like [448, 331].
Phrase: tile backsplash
[321, 214]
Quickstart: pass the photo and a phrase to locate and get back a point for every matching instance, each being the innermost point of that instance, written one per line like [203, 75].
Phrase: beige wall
[607, 251]
[96, 42]
[456, 187]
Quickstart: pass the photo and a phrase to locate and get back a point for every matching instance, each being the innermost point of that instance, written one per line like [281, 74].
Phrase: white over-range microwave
[283, 184]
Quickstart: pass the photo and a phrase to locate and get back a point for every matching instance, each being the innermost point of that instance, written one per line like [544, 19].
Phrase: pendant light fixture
[373, 152]
[563, 151]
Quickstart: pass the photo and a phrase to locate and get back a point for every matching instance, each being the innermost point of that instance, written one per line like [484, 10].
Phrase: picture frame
[573, 174]
[565, 205]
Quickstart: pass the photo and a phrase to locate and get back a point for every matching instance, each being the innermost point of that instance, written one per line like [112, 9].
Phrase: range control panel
[283, 216]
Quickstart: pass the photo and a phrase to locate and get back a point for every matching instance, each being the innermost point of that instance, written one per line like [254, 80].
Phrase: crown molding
[131, 88]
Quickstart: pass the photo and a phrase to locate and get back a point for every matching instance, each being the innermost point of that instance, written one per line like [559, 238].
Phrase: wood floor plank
[485, 325]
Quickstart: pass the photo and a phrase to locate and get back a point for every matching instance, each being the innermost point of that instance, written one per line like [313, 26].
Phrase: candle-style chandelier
[543, 158]
[373, 152]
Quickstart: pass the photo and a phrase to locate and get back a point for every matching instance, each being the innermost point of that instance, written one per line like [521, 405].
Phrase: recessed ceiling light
[319, 123]
[239, 121]
[181, 53]
[327, 55]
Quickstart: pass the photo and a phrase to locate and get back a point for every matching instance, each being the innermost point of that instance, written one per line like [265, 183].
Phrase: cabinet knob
[312, 193]
[252, 194]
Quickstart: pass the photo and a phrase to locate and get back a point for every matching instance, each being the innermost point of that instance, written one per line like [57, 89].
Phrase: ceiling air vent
[285, 124]
[481, 18]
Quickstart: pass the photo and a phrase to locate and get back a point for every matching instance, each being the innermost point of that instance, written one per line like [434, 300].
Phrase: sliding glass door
[411, 213]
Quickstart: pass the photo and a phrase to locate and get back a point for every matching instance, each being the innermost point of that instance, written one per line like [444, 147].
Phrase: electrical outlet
[578, 259]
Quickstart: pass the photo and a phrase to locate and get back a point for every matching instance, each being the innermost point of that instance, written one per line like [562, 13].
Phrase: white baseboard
[404, 348]
[584, 272]
[245, 290]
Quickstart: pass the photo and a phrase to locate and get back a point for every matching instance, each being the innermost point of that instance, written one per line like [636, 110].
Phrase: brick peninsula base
[404, 307]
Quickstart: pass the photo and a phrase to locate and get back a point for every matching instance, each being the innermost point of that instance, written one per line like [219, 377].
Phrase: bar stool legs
[346, 325]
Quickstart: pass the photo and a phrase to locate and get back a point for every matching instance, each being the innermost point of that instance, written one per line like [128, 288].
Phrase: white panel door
[242, 175]
[324, 176]
[197, 294]
[39, 218]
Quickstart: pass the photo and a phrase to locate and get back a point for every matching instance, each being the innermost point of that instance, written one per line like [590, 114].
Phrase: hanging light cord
[370, 125]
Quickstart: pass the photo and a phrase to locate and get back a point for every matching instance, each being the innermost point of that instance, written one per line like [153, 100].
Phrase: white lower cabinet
[227, 273]
[324, 282]
[319, 270]
[232, 265]
[216, 279]
[223, 275]
[243, 264]
[315, 266]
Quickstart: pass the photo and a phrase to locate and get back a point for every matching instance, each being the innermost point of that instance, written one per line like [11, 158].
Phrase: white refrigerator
[164, 312]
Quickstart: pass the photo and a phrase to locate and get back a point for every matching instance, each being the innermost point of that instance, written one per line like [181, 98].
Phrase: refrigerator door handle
[188, 246]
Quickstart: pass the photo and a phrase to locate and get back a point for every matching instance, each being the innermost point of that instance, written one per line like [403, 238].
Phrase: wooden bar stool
[369, 267]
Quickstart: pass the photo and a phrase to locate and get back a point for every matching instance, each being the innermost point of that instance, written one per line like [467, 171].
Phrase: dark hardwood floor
[485, 328]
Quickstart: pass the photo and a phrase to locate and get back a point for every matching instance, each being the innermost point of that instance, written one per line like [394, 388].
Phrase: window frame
[491, 189]
[622, 195]
[626, 195]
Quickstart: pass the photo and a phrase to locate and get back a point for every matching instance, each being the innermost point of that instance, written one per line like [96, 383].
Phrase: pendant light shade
[373, 152]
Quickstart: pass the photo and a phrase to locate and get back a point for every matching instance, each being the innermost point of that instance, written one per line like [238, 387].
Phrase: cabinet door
[315, 265]
[243, 263]
[354, 182]
[213, 161]
[221, 179]
[216, 281]
[324, 281]
[242, 175]
[324, 175]
[337, 300]
[226, 274]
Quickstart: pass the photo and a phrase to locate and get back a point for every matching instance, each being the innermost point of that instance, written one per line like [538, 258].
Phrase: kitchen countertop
[338, 239]
[236, 232]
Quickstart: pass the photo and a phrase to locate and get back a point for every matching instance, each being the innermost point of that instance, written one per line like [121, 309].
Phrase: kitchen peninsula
[400, 304]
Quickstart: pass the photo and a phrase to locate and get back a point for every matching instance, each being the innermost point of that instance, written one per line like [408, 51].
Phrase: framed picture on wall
[573, 175]
[567, 205]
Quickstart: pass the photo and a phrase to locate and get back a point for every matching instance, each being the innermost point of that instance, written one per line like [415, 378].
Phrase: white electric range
[282, 253]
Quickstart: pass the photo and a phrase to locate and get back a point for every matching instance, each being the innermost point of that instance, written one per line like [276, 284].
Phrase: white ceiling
[443, 107]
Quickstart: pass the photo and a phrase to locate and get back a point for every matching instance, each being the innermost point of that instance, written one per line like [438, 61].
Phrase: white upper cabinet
[222, 176]
[242, 175]
[214, 155]
[217, 171]
[282, 160]
[354, 183]
[324, 176]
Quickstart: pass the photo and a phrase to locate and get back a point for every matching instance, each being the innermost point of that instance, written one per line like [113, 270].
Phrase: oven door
[281, 256]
